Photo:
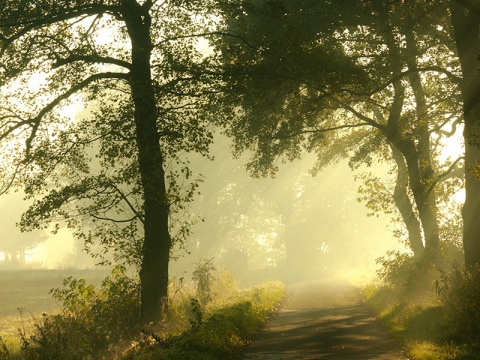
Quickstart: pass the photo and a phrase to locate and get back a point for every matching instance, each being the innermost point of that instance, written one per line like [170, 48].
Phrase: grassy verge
[221, 333]
[29, 289]
[209, 318]
[424, 326]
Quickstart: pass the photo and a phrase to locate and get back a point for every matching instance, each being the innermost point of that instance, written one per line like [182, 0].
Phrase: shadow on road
[324, 320]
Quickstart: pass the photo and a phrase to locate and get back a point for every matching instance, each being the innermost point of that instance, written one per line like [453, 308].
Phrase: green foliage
[203, 276]
[416, 277]
[102, 323]
[92, 319]
[460, 293]
[97, 165]
[197, 312]
[217, 335]
[429, 303]
[4, 351]
[428, 331]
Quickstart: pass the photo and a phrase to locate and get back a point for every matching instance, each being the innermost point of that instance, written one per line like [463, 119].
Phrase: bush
[203, 276]
[217, 335]
[4, 351]
[415, 279]
[460, 294]
[92, 319]
[428, 303]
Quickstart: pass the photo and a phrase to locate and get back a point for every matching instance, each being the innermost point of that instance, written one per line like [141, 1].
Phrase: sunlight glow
[54, 252]
[454, 145]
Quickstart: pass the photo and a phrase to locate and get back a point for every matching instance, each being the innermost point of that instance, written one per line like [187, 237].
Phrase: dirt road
[324, 320]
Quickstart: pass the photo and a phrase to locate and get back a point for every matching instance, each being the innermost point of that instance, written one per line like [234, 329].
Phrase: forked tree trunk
[426, 193]
[404, 205]
[414, 156]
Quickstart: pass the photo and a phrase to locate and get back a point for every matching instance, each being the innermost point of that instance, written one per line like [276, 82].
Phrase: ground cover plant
[430, 306]
[102, 322]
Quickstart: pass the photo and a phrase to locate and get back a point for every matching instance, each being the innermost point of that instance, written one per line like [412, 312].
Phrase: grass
[215, 330]
[423, 326]
[29, 289]
[219, 334]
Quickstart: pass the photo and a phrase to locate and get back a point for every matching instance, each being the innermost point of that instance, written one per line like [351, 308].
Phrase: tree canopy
[374, 81]
[101, 98]
[136, 68]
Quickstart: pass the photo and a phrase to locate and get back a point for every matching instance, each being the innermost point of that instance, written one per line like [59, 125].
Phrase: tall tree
[465, 16]
[139, 61]
[345, 80]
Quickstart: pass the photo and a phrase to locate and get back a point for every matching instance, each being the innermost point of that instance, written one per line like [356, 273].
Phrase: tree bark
[466, 26]
[404, 206]
[157, 241]
[421, 193]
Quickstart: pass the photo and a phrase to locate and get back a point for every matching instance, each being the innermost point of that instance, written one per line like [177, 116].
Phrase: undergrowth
[431, 304]
[218, 334]
[209, 318]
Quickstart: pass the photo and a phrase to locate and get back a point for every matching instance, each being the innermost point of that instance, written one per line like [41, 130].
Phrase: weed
[429, 304]
[219, 334]
[197, 312]
[101, 322]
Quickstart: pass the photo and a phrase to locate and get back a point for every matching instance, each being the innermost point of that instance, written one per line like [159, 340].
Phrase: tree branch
[445, 175]
[210, 33]
[137, 214]
[455, 79]
[92, 59]
[49, 19]
[35, 122]
[368, 121]
[318, 131]
[105, 218]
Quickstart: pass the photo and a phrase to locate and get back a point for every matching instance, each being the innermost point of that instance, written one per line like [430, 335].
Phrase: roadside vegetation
[208, 318]
[429, 304]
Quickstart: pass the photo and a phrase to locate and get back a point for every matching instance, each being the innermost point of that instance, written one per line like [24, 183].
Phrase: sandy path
[324, 320]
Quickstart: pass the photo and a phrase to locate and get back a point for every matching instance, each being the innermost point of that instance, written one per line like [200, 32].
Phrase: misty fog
[294, 225]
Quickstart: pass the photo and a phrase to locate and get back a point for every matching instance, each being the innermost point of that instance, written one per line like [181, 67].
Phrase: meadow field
[25, 295]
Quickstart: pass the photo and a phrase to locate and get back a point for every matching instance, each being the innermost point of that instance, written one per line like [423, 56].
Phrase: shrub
[460, 294]
[4, 351]
[92, 319]
[220, 334]
[414, 279]
[203, 276]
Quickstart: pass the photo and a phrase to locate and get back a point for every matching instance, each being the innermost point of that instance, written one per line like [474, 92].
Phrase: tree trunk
[157, 241]
[404, 206]
[422, 195]
[424, 162]
[467, 37]
[413, 156]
